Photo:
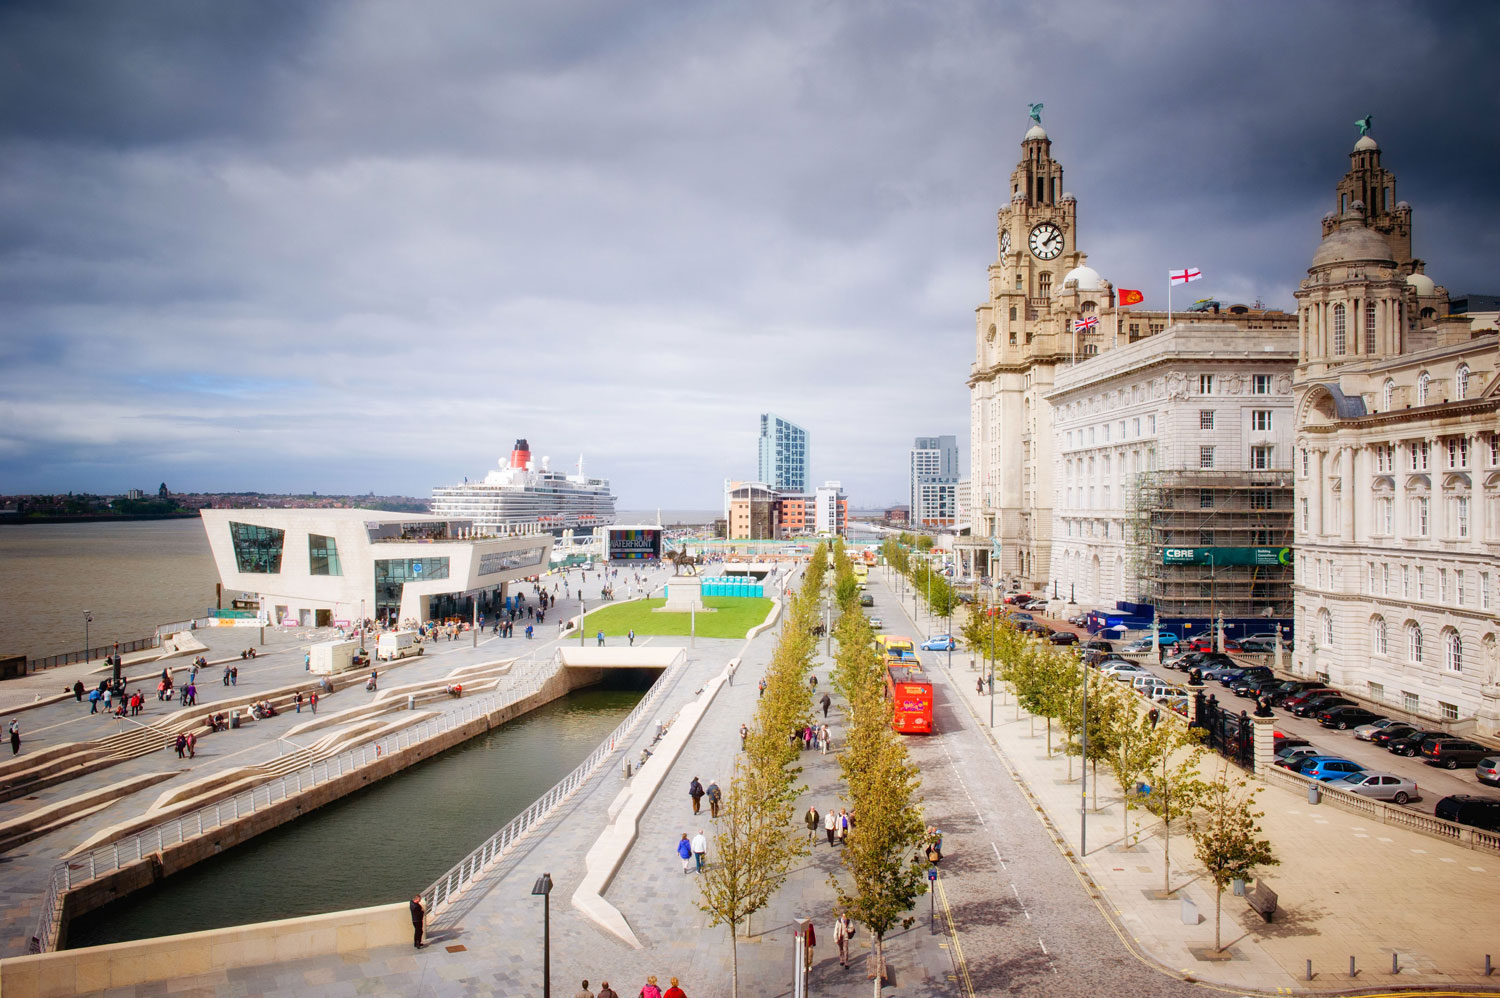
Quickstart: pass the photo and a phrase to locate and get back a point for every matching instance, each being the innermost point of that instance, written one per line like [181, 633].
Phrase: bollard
[1487, 967]
[1309, 970]
[1352, 971]
[1395, 964]
[627, 769]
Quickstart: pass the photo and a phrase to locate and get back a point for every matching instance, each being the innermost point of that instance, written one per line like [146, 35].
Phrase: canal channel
[384, 843]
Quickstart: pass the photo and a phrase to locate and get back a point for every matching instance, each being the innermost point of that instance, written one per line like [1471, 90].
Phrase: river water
[382, 844]
[132, 575]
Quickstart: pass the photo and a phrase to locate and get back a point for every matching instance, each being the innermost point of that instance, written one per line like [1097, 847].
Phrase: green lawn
[733, 618]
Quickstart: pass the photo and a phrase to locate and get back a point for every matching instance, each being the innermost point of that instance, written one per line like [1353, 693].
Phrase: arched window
[1088, 307]
[1012, 335]
[1326, 623]
[1012, 313]
[1370, 327]
[1377, 636]
[1389, 395]
[1338, 330]
[1414, 643]
[1453, 651]
[1429, 313]
[1424, 385]
[1461, 382]
[992, 333]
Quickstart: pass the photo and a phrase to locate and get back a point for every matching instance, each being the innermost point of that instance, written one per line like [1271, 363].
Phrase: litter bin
[1315, 793]
[234, 720]
[411, 701]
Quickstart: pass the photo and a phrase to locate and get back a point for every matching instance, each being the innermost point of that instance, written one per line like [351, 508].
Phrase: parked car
[1217, 671]
[1384, 736]
[1137, 646]
[1064, 638]
[1164, 692]
[1207, 643]
[1324, 768]
[1242, 672]
[1015, 617]
[1367, 731]
[1099, 644]
[1314, 707]
[1303, 696]
[1297, 763]
[1289, 752]
[1451, 753]
[1381, 786]
[1258, 645]
[1255, 686]
[1078, 620]
[1015, 597]
[940, 642]
[1467, 809]
[1410, 745]
[1280, 741]
[1345, 718]
[1290, 689]
[1125, 671]
[1488, 770]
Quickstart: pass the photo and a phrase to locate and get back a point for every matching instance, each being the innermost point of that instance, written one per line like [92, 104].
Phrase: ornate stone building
[1039, 287]
[1397, 469]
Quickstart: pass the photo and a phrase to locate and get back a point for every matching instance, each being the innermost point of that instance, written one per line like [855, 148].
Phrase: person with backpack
[715, 798]
[843, 931]
[696, 791]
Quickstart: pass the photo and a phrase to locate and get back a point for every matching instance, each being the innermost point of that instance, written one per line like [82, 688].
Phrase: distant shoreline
[20, 521]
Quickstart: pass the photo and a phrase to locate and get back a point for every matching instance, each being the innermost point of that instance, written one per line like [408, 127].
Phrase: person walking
[810, 941]
[605, 991]
[651, 990]
[181, 744]
[15, 736]
[192, 745]
[583, 991]
[234, 675]
[601, 639]
[78, 690]
[715, 798]
[843, 931]
[312, 701]
[685, 853]
[674, 991]
[762, 687]
[700, 847]
[979, 685]
[418, 916]
[825, 738]
[631, 636]
[843, 824]
[812, 820]
[830, 825]
[827, 702]
[696, 791]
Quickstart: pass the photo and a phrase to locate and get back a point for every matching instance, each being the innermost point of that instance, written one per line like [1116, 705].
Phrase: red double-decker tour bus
[910, 692]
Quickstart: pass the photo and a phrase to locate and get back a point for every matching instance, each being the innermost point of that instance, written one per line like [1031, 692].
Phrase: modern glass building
[783, 454]
[934, 481]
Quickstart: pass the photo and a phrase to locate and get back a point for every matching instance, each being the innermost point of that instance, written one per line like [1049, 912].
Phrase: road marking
[1476, 869]
[1420, 852]
[1004, 867]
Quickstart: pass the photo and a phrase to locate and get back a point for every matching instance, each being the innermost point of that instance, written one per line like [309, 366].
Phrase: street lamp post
[88, 618]
[991, 677]
[543, 886]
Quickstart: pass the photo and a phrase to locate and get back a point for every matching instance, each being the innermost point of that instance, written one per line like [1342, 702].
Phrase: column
[1347, 494]
[1437, 515]
[1356, 323]
[1315, 495]
[1398, 495]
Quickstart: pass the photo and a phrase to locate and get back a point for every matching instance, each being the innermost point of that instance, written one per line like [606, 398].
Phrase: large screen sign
[634, 544]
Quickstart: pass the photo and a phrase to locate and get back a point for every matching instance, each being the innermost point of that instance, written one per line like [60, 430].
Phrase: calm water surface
[380, 845]
[132, 575]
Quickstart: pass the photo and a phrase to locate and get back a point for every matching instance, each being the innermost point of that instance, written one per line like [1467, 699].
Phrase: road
[1025, 922]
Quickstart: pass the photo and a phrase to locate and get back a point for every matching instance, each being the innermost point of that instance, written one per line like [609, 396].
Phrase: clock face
[1046, 241]
[1005, 242]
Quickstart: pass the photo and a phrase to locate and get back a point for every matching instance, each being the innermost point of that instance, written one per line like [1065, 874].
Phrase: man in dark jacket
[418, 914]
[696, 791]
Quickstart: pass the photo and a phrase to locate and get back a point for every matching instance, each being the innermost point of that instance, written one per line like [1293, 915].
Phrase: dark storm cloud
[354, 246]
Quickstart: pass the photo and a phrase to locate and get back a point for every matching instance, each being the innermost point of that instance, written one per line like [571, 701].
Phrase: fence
[450, 883]
[1388, 814]
[89, 654]
[133, 848]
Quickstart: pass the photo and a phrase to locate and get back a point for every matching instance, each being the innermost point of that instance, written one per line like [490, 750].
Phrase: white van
[397, 644]
[329, 657]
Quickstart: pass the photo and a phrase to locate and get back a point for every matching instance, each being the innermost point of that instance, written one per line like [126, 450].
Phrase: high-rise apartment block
[934, 481]
[783, 454]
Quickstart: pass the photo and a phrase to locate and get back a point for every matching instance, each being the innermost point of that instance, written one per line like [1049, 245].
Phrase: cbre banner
[1226, 556]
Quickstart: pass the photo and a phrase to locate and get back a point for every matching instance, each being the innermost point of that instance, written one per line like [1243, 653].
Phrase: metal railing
[1389, 814]
[132, 848]
[89, 654]
[496, 846]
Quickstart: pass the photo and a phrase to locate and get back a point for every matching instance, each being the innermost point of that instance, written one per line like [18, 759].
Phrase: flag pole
[1169, 298]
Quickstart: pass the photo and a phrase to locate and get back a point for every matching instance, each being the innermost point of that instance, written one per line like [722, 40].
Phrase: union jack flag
[1079, 325]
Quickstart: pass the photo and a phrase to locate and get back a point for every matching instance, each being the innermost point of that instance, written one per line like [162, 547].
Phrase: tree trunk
[1049, 737]
[1166, 855]
[1218, 906]
[879, 951]
[734, 963]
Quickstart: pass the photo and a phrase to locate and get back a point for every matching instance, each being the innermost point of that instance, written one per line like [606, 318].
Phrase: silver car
[1381, 786]
[1365, 732]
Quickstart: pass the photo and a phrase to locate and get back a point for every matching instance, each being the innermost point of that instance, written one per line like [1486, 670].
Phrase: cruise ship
[521, 498]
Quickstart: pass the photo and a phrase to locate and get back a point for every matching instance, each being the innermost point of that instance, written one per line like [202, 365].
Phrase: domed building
[1396, 470]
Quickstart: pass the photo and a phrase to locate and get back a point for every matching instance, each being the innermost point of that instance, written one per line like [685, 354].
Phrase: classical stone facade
[1025, 332]
[1397, 469]
[1204, 407]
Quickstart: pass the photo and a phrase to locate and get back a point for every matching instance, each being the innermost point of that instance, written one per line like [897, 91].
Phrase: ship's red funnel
[520, 457]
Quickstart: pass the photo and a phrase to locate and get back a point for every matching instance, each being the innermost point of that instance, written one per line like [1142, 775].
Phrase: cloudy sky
[352, 246]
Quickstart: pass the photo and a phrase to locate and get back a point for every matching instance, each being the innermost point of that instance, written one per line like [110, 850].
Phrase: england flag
[1183, 276]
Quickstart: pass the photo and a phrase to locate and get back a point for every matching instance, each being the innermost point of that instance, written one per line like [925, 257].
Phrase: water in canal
[383, 843]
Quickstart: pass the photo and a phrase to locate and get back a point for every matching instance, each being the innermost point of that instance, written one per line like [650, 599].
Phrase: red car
[1207, 644]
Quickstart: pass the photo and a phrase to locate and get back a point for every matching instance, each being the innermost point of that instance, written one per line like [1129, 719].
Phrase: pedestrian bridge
[615, 657]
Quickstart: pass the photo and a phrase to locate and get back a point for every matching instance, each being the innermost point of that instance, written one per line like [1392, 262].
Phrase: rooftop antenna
[658, 516]
[580, 465]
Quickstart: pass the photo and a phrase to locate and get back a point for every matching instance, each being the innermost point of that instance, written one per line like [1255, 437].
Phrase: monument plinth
[684, 595]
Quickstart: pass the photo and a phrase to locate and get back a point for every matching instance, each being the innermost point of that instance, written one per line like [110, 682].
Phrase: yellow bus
[861, 572]
[892, 645]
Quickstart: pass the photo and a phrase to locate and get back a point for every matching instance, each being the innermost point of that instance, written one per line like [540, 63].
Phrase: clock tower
[1023, 331]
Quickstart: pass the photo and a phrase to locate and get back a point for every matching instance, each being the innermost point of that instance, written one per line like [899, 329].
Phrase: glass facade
[257, 549]
[322, 555]
[392, 574]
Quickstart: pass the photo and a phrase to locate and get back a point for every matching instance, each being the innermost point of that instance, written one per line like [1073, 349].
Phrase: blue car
[1327, 767]
[940, 642]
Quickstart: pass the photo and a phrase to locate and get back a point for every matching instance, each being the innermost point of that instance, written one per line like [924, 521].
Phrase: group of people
[697, 791]
[813, 736]
[692, 851]
[649, 990]
[835, 826]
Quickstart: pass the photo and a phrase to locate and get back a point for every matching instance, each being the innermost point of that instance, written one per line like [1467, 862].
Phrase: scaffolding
[1213, 510]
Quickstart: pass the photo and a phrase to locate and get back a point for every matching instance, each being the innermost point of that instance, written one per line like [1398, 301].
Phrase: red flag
[1130, 297]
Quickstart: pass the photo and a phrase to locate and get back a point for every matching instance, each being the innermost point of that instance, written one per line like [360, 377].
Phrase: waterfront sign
[634, 543]
[1226, 556]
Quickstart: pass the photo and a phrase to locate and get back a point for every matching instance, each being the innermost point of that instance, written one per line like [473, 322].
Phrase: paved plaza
[1018, 911]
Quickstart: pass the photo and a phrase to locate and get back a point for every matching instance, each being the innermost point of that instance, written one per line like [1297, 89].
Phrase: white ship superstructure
[521, 498]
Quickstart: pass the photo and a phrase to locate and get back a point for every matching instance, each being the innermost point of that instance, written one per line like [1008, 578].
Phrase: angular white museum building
[321, 567]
